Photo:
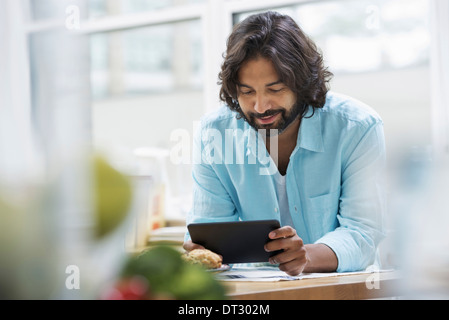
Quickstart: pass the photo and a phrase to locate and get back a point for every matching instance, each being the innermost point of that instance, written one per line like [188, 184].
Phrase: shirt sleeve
[362, 203]
[211, 200]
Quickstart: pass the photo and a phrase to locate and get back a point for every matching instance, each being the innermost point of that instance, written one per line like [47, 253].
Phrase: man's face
[265, 102]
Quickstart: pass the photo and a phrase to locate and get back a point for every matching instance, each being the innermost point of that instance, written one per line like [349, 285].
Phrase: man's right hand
[189, 246]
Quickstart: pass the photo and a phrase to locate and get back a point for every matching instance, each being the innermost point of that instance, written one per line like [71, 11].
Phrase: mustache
[268, 113]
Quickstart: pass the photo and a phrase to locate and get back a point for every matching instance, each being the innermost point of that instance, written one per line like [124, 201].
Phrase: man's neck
[286, 143]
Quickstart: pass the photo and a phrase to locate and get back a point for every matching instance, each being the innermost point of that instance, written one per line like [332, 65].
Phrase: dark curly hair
[295, 56]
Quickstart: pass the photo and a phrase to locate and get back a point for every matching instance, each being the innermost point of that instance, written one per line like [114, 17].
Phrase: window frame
[216, 18]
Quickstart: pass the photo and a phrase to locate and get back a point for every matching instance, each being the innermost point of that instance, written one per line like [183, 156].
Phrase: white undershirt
[281, 193]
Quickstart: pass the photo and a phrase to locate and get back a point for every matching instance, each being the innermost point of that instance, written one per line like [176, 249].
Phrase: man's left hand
[294, 257]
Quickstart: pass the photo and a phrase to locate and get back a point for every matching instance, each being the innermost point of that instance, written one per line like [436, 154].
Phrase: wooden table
[345, 287]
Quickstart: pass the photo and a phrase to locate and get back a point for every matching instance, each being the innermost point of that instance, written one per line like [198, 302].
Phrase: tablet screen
[236, 242]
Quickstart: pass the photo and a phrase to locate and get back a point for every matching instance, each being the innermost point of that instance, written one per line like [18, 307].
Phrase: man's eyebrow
[274, 83]
[267, 85]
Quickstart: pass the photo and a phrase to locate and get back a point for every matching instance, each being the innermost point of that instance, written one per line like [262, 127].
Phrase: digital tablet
[236, 242]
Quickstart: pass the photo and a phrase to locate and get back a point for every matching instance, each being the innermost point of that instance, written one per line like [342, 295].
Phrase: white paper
[267, 274]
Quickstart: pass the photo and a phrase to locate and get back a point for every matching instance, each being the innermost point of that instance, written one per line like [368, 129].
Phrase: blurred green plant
[167, 276]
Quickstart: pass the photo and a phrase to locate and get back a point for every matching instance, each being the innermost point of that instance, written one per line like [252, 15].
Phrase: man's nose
[262, 104]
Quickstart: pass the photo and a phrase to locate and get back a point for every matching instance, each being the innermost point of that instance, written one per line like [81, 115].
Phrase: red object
[135, 288]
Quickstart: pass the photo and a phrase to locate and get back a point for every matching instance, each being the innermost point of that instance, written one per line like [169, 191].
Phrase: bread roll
[204, 257]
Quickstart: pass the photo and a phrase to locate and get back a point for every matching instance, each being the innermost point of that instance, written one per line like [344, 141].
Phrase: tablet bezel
[236, 241]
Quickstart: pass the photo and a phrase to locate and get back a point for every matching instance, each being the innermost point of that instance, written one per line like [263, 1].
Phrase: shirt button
[275, 209]
[296, 209]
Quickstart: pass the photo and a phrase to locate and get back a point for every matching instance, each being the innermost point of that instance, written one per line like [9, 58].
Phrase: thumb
[189, 246]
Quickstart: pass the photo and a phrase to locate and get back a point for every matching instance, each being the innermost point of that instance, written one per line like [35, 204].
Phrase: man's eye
[246, 92]
[276, 91]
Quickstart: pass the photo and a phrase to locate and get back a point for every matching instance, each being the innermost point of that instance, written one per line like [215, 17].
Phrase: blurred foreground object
[28, 259]
[48, 245]
[428, 248]
[112, 194]
[166, 276]
[44, 109]
[422, 225]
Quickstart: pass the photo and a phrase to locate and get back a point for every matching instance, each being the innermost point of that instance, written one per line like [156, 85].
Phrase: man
[327, 151]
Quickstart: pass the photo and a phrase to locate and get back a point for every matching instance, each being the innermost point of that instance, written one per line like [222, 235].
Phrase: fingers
[292, 262]
[299, 254]
[293, 257]
[292, 268]
[283, 232]
[189, 246]
[283, 239]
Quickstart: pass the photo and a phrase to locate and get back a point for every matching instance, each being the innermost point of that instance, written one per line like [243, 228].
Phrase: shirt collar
[310, 134]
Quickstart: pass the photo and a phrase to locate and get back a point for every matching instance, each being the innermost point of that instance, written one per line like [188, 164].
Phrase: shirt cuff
[349, 255]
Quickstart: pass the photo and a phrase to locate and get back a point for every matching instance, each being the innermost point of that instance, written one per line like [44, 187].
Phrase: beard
[286, 119]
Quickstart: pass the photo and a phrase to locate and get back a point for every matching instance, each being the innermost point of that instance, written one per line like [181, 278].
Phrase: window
[148, 60]
[379, 52]
[147, 76]
[102, 8]
[366, 35]
[44, 10]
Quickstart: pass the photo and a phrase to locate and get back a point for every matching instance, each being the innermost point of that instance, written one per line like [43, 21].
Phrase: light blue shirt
[334, 182]
[280, 183]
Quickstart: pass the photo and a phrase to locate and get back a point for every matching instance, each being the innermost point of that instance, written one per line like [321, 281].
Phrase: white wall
[402, 98]
[146, 121]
